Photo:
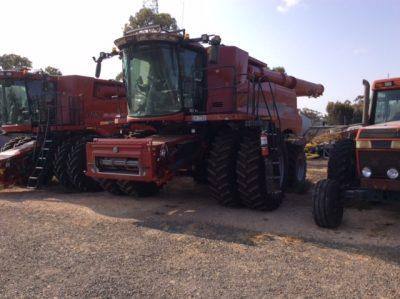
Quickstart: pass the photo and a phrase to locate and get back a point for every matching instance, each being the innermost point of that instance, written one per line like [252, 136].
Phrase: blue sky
[336, 43]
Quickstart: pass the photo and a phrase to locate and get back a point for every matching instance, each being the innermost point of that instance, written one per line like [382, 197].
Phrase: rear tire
[252, 172]
[327, 209]
[221, 168]
[342, 164]
[76, 167]
[60, 164]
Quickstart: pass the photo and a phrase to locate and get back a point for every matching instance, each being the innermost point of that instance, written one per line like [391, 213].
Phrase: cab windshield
[14, 107]
[152, 73]
[387, 106]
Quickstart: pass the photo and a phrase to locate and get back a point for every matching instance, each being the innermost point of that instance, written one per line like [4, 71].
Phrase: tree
[340, 113]
[358, 107]
[313, 115]
[279, 69]
[119, 77]
[14, 61]
[147, 17]
[52, 71]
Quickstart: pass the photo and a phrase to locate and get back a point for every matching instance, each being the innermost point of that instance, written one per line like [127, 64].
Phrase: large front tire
[76, 168]
[221, 168]
[254, 173]
[60, 164]
[327, 208]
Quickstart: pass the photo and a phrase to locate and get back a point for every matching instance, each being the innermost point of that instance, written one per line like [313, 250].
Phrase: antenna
[151, 4]
[183, 13]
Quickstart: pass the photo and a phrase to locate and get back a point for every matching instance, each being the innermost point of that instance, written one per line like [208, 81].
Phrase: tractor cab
[21, 96]
[164, 72]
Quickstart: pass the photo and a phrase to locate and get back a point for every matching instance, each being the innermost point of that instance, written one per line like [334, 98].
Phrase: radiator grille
[379, 161]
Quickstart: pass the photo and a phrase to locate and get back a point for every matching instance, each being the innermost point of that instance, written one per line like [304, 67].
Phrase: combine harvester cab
[365, 164]
[212, 112]
[48, 120]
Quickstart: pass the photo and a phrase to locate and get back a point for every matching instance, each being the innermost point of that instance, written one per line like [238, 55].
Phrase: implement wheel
[221, 168]
[327, 209]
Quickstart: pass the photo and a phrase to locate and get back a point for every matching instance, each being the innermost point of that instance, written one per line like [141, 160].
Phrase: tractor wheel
[297, 167]
[327, 210]
[111, 186]
[255, 176]
[60, 164]
[342, 165]
[76, 167]
[17, 141]
[221, 168]
[138, 189]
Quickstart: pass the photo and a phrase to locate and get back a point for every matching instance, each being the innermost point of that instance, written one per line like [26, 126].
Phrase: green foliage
[52, 71]
[14, 61]
[340, 113]
[279, 69]
[313, 115]
[119, 77]
[147, 17]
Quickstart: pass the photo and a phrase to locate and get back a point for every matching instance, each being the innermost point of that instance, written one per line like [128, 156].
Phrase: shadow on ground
[186, 208]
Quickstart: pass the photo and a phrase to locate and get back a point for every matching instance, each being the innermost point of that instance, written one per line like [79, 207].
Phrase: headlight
[395, 144]
[363, 144]
[392, 173]
[366, 172]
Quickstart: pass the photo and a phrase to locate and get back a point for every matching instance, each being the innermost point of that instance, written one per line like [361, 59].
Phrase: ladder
[42, 160]
[274, 175]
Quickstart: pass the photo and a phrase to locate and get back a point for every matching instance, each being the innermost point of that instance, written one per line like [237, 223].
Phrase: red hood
[389, 125]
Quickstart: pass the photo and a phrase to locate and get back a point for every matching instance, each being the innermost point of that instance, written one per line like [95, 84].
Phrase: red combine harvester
[213, 112]
[49, 119]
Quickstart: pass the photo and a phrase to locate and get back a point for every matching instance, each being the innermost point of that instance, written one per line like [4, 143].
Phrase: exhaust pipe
[365, 117]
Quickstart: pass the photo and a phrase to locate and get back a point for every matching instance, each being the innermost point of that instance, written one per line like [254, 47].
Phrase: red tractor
[365, 164]
[211, 112]
[49, 119]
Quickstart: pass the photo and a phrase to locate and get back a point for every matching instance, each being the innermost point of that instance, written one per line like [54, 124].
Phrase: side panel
[222, 78]
[89, 102]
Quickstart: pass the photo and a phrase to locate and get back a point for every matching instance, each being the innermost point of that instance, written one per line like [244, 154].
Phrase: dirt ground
[182, 244]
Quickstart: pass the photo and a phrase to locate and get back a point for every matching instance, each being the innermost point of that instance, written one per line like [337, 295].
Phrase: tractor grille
[379, 161]
[118, 165]
[379, 133]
